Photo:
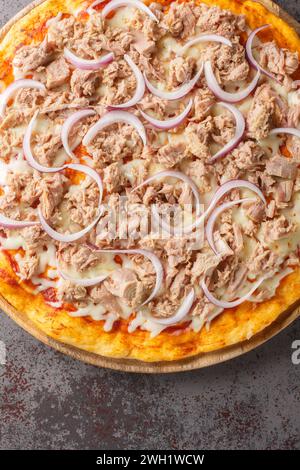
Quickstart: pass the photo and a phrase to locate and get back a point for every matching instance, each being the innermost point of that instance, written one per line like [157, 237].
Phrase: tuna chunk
[58, 73]
[100, 295]
[28, 266]
[256, 212]
[261, 113]
[203, 101]
[171, 154]
[69, 292]
[277, 228]
[52, 191]
[204, 264]
[125, 284]
[84, 82]
[59, 33]
[180, 20]
[29, 58]
[223, 22]
[180, 71]
[248, 155]
[113, 177]
[262, 260]
[79, 257]
[278, 61]
[282, 167]
[283, 193]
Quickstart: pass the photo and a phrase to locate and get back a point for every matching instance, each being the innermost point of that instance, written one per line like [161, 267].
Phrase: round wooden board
[195, 362]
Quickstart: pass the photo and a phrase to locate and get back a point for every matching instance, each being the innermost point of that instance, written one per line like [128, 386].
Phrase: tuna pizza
[150, 182]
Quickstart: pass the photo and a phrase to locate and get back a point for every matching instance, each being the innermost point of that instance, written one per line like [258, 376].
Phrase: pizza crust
[231, 327]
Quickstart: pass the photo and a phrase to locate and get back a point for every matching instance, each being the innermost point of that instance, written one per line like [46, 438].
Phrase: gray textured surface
[48, 401]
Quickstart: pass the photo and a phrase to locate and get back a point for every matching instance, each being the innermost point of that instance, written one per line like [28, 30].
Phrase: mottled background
[48, 401]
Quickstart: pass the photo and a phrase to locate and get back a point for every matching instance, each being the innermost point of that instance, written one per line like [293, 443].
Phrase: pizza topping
[234, 303]
[177, 94]
[114, 117]
[13, 88]
[231, 170]
[239, 132]
[114, 4]
[205, 38]
[281, 167]
[29, 58]
[69, 124]
[58, 73]
[169, 123]
[214, 86]
[87, 64]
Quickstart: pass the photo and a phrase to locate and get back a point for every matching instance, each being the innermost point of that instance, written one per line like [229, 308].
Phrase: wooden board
[195, 362]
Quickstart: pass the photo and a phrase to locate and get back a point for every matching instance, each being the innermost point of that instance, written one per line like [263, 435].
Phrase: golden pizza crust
[231, 327]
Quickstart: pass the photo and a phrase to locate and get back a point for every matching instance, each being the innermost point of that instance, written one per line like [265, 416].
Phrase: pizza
[150, 183]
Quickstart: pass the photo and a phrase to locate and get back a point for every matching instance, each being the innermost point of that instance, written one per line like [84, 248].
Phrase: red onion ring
[15, 86]
[250, 56]
[140, 86]
[28, 151]
[12, 224]
[114, 117]
[214, 86]
[168, 123]
[239, 132]
[69, 238]
[147, 254]
[90, 10]
[181, 313]
[286, 130]
[114, 4]
[222, 190]
[215, 214]
[69, 123]
[88, 64]
[180, 92]
[224, 303]
[204, 38]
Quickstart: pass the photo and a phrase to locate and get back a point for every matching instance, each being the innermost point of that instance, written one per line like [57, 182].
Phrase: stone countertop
[49, 401]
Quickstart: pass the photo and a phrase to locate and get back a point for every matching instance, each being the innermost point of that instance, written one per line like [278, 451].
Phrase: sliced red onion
[69, 238]
[249, 52]
[224, 303]
[68, 125]
[214, 86]
[28, 151]
[215, 214]
[114, 4]
[168, 123]
[15, 86]
[239, 132]
[286, 130]
[86, 282]
[88, 64]
[180, 92]
[224, 189]
[90, 10]
[204, 38]
[140, 86]
[159, 270]
[89, 172]
[11, 224]
[114, 117]
[181, 313]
